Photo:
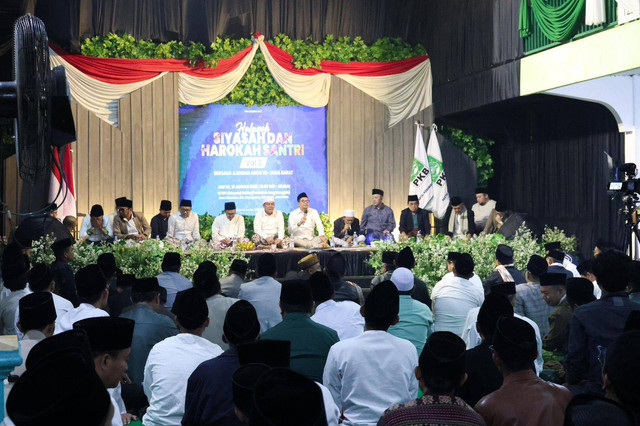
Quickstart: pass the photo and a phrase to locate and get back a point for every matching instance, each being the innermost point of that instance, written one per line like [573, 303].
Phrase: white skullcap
[349, 213]
[269, 200]
[403, 279]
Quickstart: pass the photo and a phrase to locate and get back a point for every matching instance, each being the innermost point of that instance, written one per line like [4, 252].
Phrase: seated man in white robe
[96, 227]
[303, 221]
[93, 294]
[227, 227]
[184, 226]
[110, 340]
[268, 225]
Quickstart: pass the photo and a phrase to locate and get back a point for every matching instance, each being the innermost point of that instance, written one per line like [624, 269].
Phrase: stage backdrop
[243, 154]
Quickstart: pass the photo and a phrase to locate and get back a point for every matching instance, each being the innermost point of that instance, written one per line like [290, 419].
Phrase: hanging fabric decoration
[99, 83]
[557, 23]
[594, 12]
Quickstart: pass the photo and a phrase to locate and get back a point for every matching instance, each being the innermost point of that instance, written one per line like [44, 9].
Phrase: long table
[287, 260]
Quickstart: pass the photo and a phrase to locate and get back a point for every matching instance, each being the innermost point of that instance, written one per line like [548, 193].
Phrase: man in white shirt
[451, 257]
[184, 226]
[566, 259]
[227, 227]
[369, 373]
[482, 209]
[264, 293]
[171, 362]
[454, 297]
[268, 225]
[343, 317]
[96, 227]
[303, 221]
[15, 268]
[170, 278]
[93, 294]
[110, 341]
[205, 280]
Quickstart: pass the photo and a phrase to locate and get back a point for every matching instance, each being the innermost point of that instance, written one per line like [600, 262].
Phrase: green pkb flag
[421, 180]
[440, 200]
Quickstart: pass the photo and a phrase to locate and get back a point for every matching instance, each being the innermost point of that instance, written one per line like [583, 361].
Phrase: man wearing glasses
[184, 226]
[303, 221]
[130, 225]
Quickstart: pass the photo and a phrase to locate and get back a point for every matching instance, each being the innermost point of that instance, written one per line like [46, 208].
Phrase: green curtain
[557, 23]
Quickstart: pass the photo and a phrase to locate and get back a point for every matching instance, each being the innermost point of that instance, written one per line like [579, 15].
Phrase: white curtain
[594, 13]
[630, 5]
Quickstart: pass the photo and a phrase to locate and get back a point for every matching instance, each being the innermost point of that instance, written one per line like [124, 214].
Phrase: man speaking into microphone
[302, 223]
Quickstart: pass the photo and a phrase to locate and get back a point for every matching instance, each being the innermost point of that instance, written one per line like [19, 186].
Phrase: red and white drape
[61, 188]
[98, 83]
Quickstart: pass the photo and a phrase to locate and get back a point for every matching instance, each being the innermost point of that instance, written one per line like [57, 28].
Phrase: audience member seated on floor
[505, 269]
[345, 290]
[15, 272]
[37, 322]
[170, 277]
[230, 284]
[243, 383]
[110, 342]
[61, 387]
[206, 280]
[370, 373]
[160, 222]
[264, 293]
[451, 258]
[151, 327]
[579, 292]
[529, 301]
[567, 260]
[555, 260]
[554, 288]
[416, 319]
[130, 225]
[308, 265]
[524, 398]
[343, 317]
[93, 295]
[483, 377]
[171, 362]
[472, 338]
[589, 410]
[209, 393]
[585, 269]
[596, 325]
[458, 221]
[62, 272]
[388, 266]
[310, 341]
[405, 259]
[621, 372]
[454, 297]
[119, 289]
[440, 372]
[634, 286]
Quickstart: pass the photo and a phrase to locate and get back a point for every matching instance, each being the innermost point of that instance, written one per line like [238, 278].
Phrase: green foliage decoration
[568, 243]
[475, 147]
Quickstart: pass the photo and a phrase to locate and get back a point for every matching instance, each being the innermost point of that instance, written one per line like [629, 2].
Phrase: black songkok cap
[107, 264]
[506, 288]
[240, 266]
[165, 205]
[171, 258]
[464, 264]
[282, 394]
[455, 201]
[107, 333]
[71, 341]
[555, 245]
[145, 285]
[241, 323]
[579, 291]
[321, 287]
[377, 192]
[443, 356]
[127, 203]
[190, 308]
[412, 198]
[90, 281]
[120, 201]
[553, 279]
[537, 265]
[495, 305]
[556, 255]
[61, 244]
[230, 206]
[40, 277]
[126, 280]
[586, 266]
[301, 195]
[501, 206]
[481, 191]
[185, 203]
[453, 256]
[274, 353]
[96, 211]
[243, 382]
[389, 256]
[37, 310]
[64, 389]
[515, 339]
[504, 254]
[382, 304]
[406, 259]
[296, 292]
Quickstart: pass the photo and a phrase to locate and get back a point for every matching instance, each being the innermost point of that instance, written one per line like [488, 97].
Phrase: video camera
[625, 181]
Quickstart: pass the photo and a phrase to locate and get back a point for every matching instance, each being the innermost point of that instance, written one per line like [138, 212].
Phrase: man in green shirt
[310, 341]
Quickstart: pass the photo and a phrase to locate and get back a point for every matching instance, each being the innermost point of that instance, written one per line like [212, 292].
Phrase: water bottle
[419, 236]
[355, 239]
[332, 242]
